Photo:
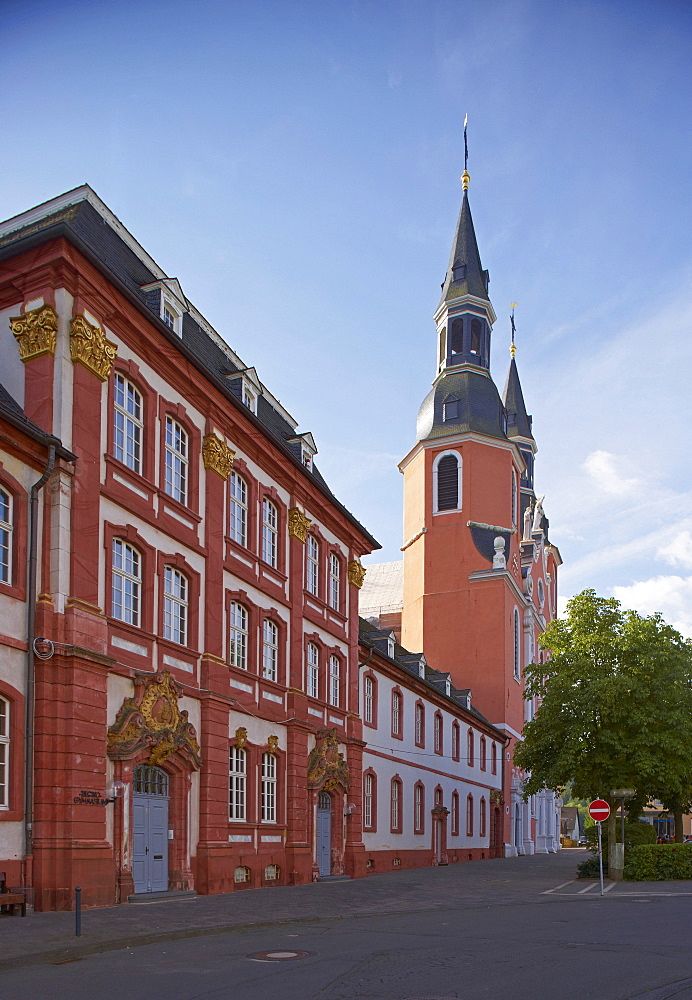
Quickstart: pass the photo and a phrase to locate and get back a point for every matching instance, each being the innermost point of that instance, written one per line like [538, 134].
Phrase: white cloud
[679, 551]
[607, 473]
[670, 595]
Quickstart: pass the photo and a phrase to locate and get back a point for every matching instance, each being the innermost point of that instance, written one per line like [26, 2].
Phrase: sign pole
[600, 856]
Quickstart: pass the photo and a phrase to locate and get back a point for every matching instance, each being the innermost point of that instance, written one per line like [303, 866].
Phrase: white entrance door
[150, 830]
[324, 833]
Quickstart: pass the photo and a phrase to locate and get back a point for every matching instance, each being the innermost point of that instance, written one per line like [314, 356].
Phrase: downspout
[30, 669]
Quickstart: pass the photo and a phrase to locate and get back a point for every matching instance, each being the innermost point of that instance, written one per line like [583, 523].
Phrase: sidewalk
[49, 937]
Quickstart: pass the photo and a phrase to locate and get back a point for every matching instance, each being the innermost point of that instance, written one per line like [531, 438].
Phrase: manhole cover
[278, 956]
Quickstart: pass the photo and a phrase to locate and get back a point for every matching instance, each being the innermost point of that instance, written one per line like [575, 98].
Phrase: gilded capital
[356, 573]
[90, 347]
[217, 456]
[35, 331]
[298, 524]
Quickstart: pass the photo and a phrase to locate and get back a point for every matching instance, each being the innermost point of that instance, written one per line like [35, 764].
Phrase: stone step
[150, 897]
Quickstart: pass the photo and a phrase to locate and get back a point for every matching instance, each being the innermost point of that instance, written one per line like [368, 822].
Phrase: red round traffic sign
[599, 810]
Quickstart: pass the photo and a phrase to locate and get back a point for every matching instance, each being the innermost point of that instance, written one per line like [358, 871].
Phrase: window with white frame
[470, 748]
[447, 482]
[126, 582]
[396, 713]
[418, 809]
[270, 526]
[313, 670]
[4, 753]
[238, 526]
[169, 317]
[334, 680]
[420, 724]
[269, 788]
[312, 567]
[482, 822]
[455, 813]
[237, 650]
[368, 801]
[484, 753]
[517, 647]
[5, 537]
[455, 741]
[270, 649]
[395, 805]
[514, 497]
[469, 816]
[249, 399]
[369, 699]
[334, 581]
[493, 758]
[237, 776]
[176, 459]
[438, 733]
[175, 605]
[128, 427]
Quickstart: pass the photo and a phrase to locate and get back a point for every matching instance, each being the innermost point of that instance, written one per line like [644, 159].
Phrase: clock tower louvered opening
[448, 483]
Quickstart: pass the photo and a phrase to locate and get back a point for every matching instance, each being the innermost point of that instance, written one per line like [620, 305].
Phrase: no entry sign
[599, 810]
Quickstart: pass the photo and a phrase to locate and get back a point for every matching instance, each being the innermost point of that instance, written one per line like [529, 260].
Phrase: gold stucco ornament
[35, 331]
[327, 768]
[298, 524]
[217, 456]
[154, 720]
[356, 573]
[90, 347]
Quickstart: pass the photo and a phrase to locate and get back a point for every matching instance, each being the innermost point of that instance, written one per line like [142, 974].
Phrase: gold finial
[513, 346]
[465, 178]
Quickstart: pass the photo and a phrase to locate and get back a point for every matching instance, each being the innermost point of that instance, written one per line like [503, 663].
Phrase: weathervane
[466, 177]
[513, 347]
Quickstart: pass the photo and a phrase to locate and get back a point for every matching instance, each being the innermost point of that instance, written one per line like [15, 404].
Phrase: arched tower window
[457, 338]
[447, 482]
[476, 330]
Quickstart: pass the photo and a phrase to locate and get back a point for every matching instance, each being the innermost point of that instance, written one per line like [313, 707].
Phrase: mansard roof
[82, 218]
[479, 407]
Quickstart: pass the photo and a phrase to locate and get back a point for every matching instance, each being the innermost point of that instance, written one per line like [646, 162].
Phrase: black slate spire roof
[465, 274]
[518, 425]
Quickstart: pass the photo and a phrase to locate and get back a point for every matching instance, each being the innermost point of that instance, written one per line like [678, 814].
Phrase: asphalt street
[522, 937]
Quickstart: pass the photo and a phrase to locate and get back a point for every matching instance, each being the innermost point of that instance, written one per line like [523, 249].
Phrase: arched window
[334, 680]
[5, 537]
[313, 670]
[241, 874]
[456, 741]
[457, 336]
[476, 330]
[334, 582]
[369, 800]
[517, 647]
[238, 526]
[455, 813]
[484, 755]
[396, 713]
[4, 753]
[418, 808]
[493, 758]
[237, 775]
[395, 805]
[269, 788]
[469, 816]
[176, 458]
[369, 697]
[149, 780]
[237, 651]
[420, 724]
[270, 530]
[312, 565]
[437, 733]
[443, 346]
[272, 873]
[126, 582]
[482, 822]
[175, 605]
[514, 497]
[447, 482]
[128, 428]
[270, 649]
[470, 748]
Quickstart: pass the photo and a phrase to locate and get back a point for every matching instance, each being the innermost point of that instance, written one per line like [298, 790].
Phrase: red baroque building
[193, 720]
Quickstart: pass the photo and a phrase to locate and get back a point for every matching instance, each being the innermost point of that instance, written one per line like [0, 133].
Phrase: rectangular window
[418, 809]
[125, 582]
[270, 649]
[175, 606]
[334, 582]
[396, 806]
[313, 670]
[334, 680]
[5, 537]
[4, 753]
[312, 554]
[268, 788]
[270, 523]
[368, 699]
[420, 725]
[127, 424]
[237, 653]
[237, 765]
[455, 814]
[238, 525]
[438, 734]
[396, 713]
[368, 794]
[175, 484]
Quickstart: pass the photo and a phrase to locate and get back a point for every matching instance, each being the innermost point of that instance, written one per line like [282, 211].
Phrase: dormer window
[303, 445]
[246, 386]
[451, 408]
[169, 318]
[421, 668]
[249, 399]
[165, 298]
[390, 646]
[458, 271]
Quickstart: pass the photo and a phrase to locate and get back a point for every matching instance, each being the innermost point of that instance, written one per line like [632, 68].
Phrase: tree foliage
[615, 705]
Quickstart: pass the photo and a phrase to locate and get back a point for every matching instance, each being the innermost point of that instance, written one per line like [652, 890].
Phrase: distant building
[478, 580]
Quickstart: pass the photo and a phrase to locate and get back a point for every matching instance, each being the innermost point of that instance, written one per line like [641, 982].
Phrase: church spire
[518, 420]
[465, 273]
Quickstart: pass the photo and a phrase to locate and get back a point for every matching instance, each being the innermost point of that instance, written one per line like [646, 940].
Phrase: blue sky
[296, 165]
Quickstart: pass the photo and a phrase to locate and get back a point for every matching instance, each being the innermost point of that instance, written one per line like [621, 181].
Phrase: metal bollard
[78, 911]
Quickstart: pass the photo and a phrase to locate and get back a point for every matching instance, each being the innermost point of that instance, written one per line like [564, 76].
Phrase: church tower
[479, 571]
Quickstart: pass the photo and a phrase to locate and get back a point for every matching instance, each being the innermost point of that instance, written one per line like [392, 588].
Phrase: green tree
[615, 706]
